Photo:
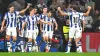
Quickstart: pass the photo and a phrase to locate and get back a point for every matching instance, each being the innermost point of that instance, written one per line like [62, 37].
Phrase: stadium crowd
[92, 22]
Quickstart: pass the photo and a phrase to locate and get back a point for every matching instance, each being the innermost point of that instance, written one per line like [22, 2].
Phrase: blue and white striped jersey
[21, 20]
[75, 18]
[11, 19]
[47, 27]
[32, 22]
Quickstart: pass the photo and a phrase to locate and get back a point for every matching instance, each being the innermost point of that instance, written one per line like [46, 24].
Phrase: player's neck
[10, 11]
[44, 13]
[31, 14]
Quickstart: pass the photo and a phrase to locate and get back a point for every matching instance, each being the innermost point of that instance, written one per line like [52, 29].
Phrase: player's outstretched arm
[88, 11]
[49, 23]
[24, 10]
[62, 13]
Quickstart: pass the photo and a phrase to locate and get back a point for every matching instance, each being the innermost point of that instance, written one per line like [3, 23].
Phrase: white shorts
[32, 34]
[48, 34]
[11, 31]
[75, 32]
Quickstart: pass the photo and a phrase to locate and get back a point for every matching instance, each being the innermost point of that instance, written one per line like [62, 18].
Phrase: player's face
[35, 10]
[45, 10]
[32, 12]
[49, 14]
[11, 9]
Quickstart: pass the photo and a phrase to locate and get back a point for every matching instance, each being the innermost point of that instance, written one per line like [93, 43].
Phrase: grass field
[48, 54]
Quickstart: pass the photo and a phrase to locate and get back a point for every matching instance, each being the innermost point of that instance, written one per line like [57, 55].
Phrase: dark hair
[30, 9]
[75, 7]
[10, 5]
[44, 6]
[50, 10]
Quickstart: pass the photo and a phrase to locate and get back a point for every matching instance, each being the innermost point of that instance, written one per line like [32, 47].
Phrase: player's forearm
[87, 13]
[24, 10]
[62, 13]
[3, 23]
[43, 21]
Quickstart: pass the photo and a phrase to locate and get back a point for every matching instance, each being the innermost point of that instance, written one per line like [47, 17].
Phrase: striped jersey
[11, 19]
[32, 22]
[20, 21]
[46, 27]
[75, 18]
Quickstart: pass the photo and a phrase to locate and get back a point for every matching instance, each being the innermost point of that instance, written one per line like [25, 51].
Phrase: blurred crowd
[92, 21]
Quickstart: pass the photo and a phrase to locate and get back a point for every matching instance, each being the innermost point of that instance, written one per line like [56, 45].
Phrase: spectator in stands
[18, 4]
[22, 3]
[97, 14]
[42, 2]
[88, 24]
[54, 5]
[96, 26]
[1, 4]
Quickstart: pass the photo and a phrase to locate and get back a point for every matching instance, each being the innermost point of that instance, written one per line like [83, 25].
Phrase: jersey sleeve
[68, 13]
[5, 17]
[54, 20]
[41, 16]
[82, 16]
[38, 18]
[17, 12]
[26, 19]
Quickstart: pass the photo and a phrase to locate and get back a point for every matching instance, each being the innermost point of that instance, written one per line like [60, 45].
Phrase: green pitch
[48, 54]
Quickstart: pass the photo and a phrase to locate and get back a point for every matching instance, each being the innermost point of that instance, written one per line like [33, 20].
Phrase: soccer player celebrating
[74, 24]
[21, 32]
[31, 22]
[43, 17]
[11, 24]
[49, 29]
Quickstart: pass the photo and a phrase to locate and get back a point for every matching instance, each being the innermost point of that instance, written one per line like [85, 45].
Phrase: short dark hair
[30, 9]
[75, 7]
[44, 6]
[10, 5]
[50, 11]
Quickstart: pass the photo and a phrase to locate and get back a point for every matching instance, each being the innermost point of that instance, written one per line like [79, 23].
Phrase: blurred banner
[91, 42]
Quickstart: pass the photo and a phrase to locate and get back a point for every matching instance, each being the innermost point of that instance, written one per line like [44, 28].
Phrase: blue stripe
[7, 20]
[33, 23]
[15, 19]
[52, 26]
[71, 20]
[28, 24]
[20, 24]
[48, 26]
[44, 25]
[11, 21]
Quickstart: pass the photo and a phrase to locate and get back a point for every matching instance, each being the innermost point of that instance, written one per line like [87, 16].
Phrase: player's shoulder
[6, 13]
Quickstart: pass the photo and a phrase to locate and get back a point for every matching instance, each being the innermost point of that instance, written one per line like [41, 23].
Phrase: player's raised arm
[24, 10]
[88, 11]
[62, 13]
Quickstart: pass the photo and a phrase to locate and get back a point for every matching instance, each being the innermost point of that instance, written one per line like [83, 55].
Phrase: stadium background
[90, 38]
